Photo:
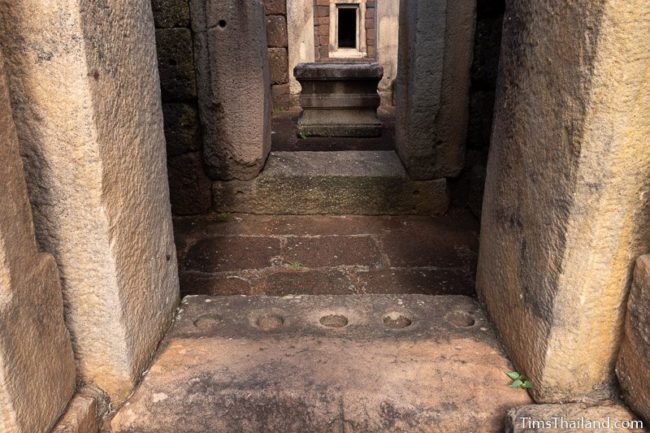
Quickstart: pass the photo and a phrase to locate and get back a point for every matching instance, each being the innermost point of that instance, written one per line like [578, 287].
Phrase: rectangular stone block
[176, 64]
[171, 13]
[567, 184]
[275, 7]
[234, 86]
[432, 88]
[278, 65]
[633, 367]
[80, 416]
[323, 364]
[346, 182]
[86, 93]
[182, 131]
[276, 31]
[37, 369]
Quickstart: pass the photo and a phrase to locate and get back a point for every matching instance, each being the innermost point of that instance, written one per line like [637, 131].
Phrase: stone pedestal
[339, 99]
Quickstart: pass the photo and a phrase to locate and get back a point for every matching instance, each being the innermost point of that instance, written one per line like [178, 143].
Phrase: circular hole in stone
[334, 321]
[269, 322]
[396, 320]
[207, 322]
[461, 319]
[222, 24]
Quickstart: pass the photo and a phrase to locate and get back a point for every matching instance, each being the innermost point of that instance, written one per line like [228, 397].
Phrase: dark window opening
[347, 28]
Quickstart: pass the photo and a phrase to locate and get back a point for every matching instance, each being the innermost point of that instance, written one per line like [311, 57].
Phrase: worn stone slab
[633, 367]
[86, 98]
[323, 364]
[234, 86]
[432, 85]
[606, 417]
[566, 186]
[37, 370]
[352, 182]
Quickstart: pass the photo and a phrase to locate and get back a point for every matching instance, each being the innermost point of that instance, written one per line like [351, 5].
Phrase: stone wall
[278, 42]
[322, 29]
[189, 186]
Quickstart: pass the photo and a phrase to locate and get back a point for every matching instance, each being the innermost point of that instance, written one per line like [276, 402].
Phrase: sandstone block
[346, 182]
[175, 64]
[37, 370]
[281, 96]
[633, 368]
[432, 88]
[325, 364]
[567, 418]
[562, 215]
[275, 7]
[235, 85]
[171, 13]
[278, 65]
[189, 187]
[87, 105]
[276, 31]
[182, 132]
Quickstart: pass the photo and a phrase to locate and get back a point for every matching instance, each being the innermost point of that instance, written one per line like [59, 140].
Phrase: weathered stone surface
[323, 364]
[37, 371]
[276, 31]
[432, 88]
[300, 23]
[234, 86]
[80, 416]
[176, 64]
[189, 188]
[280, 95]
[339, 99]
[278, 65]
[387, 46]
[171, 13]
[567, 181]
[567, 418]
[352, 182]
[182, 132]
[275, 7]
[633, 368]
[86, 95]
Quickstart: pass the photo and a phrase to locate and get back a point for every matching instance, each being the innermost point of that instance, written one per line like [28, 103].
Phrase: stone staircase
[367, 182]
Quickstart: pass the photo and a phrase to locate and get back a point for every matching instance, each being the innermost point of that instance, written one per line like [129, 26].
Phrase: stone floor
[235, 254]
[330, 364]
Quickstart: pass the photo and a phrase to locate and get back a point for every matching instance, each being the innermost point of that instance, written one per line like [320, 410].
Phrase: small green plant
[302, 135]
[295, 265]
[519, 380]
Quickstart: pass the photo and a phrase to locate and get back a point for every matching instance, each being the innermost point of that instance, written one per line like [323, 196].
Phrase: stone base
[335, 183]
[324, 364]
[340, 130]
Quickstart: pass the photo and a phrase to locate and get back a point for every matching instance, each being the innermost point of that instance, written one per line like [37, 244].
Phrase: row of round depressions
[274, 320]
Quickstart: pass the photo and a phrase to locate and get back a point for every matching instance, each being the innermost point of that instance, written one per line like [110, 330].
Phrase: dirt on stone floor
[281, 255]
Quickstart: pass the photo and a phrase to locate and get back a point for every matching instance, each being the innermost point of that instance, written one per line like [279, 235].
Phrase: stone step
[369, 363]
[335, 183]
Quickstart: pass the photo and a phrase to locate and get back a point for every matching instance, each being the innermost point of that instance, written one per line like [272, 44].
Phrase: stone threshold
[334, 183]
